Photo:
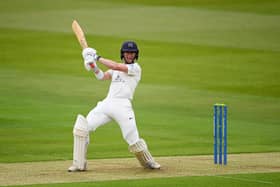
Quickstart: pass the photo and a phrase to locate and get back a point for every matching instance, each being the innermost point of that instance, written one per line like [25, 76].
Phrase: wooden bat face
[79, 34]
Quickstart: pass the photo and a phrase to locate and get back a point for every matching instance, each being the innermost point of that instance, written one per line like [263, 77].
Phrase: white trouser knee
[81, 141]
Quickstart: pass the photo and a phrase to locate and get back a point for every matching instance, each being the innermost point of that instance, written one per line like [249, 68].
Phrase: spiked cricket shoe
[153, 165]
[74, 168]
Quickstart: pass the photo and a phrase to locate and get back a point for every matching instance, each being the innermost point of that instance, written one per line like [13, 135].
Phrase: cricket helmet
[129, 46]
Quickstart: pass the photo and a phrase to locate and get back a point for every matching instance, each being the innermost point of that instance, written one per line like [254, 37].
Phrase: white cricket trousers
[119, 110]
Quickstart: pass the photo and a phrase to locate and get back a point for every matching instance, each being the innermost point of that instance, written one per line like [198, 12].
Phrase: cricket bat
[79, 34]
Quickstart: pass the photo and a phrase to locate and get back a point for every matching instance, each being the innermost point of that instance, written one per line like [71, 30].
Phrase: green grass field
[193, 54]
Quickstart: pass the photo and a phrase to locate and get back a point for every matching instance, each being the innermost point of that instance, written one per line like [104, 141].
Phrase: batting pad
[81, 141]
[142, 153]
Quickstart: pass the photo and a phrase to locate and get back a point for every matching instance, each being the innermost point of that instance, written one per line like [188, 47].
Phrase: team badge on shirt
[118, 79]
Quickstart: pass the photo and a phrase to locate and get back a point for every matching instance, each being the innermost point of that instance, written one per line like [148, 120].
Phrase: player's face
[129, 57]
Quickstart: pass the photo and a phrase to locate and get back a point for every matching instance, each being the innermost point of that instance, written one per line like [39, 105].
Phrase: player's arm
[90, 59]
[107, 76]
[130, 69]
[113, 65]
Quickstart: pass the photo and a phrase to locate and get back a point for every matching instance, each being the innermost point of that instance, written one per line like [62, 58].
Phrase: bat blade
[79, 34]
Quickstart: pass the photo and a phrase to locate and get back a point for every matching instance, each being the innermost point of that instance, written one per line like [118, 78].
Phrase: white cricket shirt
[123, 84]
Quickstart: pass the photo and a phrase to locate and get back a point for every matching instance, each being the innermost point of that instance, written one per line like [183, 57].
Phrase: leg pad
[81, 141]
[140, 149]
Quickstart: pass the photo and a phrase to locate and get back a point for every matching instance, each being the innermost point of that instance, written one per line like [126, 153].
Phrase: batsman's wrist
[99, 74]
[95, 69]
[97, 57]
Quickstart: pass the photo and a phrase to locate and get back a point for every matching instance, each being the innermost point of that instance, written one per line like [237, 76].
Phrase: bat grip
[92, 65]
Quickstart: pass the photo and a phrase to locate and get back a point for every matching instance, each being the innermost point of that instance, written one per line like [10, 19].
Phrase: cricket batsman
[116, 106]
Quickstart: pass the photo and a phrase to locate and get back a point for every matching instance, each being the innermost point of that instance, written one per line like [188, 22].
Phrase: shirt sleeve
[133, 69]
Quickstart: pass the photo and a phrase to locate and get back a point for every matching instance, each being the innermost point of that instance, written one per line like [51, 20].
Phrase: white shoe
[153, 165]
[74, 168]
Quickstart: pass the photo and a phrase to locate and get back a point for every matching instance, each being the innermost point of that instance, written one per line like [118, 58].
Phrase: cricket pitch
[128, 168]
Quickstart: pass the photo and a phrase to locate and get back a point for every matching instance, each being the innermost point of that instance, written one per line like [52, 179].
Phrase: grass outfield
[193, 54]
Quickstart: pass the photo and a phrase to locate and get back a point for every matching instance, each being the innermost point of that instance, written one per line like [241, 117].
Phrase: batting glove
[89, 54]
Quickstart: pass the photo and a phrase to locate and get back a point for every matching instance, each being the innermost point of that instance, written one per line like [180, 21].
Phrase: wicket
[220, 133]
